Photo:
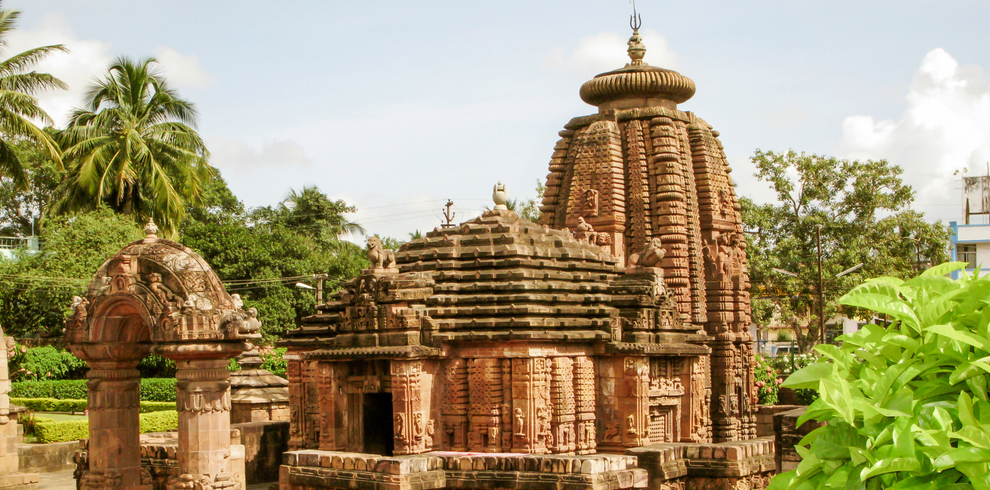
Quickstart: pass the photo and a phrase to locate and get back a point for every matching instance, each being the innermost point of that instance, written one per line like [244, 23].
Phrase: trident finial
[635, 20]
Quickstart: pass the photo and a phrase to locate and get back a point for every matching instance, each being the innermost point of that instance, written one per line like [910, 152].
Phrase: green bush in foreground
[51, 431]
[53, 405]
[906, 406]
[152, 389]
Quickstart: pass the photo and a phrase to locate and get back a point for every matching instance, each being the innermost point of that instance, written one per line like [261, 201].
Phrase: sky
[397, 106]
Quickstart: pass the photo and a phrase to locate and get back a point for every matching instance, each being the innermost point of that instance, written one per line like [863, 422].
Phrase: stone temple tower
[641, 172]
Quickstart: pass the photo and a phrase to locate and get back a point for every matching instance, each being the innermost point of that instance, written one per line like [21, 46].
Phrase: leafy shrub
[158, 389]
[61, 431]
[46, 362]
[60, 389]
[53, 405]
[766, 380]
[159, 421]
[907, 405]
[274, 361]
[156, 366]
[152, 389]
[73, 430]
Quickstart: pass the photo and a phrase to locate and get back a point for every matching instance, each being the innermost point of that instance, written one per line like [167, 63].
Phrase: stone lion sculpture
[651, 255]
[380, 257]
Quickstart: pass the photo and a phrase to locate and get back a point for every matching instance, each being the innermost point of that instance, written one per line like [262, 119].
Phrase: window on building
[966, 253]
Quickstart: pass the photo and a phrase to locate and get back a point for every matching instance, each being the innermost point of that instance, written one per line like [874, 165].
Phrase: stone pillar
[203, 401]
[634, 401]
[114, 433]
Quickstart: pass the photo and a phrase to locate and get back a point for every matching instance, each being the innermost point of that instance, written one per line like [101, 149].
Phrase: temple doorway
[379, 428]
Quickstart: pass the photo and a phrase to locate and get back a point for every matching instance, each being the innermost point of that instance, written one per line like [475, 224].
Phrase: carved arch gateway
[157, 296]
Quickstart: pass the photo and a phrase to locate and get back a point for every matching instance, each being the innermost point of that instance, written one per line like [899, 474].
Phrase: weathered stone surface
[501, 353]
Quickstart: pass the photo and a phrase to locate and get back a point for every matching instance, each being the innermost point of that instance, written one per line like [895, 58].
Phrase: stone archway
[156, 296]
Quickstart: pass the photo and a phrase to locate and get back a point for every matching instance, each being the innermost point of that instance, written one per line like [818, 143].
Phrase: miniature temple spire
[150, 229]
[500, 196]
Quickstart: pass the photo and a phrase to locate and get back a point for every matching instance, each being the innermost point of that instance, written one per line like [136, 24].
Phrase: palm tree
[134, 148]
[18, 106]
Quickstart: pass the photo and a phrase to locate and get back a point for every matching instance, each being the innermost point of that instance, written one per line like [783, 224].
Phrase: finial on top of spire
[150, 229]
[637, 50]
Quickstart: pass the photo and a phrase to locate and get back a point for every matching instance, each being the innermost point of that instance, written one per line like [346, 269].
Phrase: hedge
[53, 405]
[152, 389]
[50, 431]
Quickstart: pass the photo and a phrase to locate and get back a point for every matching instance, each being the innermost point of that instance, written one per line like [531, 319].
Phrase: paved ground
[62, 480]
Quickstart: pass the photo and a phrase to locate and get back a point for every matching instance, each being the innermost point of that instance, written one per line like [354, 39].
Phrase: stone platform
[745, 465]
[313, 469]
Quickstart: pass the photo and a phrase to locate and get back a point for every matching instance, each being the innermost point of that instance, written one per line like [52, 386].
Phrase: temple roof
[647, 85]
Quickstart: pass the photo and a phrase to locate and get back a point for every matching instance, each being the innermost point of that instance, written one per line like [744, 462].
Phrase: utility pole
[448, 215]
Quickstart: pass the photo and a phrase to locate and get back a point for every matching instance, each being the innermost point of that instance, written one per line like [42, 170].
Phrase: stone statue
[79, 305]
[520, 423]
[252, 324]
[431, 428]
[584, 232]
[651, 255]
[380, 257]
[400, 426]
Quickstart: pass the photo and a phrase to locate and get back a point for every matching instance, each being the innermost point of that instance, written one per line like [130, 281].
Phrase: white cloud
[945, 128]
[228, 154]
[183, 71]
[78, 68]
[604, 52]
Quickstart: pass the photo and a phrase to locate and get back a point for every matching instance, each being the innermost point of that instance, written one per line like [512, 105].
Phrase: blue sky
[397, 106]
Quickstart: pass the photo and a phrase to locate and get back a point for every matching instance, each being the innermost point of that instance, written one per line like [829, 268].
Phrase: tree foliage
[18, 106]
[261, 254]
[36, 290]
[861, 211]
[22, 208]
[134, 148]
[906, 405]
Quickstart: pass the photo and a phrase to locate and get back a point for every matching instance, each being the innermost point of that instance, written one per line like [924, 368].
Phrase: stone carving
[400, 426]
[500, 196]
[612, 431]
[584, 232]
[79, 309]
[651, 255]
[520, 423]
[431, 428]
[589, 206]
[380, 257]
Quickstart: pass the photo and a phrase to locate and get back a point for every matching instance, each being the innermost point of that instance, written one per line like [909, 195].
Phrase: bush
[61, 389]
[159, 421]
[53, 405]
[158, 389]
[51, 431]
[274, 361]
[156, 366]
[62, 431]
[152, 389]
[906, 405]
[766, 380]
[46, 362]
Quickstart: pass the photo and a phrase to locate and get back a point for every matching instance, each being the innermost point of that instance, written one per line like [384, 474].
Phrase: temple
[604, 347]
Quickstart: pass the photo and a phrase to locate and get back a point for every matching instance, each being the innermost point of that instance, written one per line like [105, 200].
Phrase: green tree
[22, 209]
[261, 254]
[134, 148]
[530, 208]
[18, 105]
[36, 290]
[861, 210]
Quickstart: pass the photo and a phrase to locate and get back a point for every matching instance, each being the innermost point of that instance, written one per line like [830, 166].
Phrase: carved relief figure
[418, 426]
[584, 232]
[400, 426]
[631, 425]
[611, 431]
[651, 255]
[380, 257]
[431, 428]
[159, 290]
[252, 324]
[520, 428]
[589, 206]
